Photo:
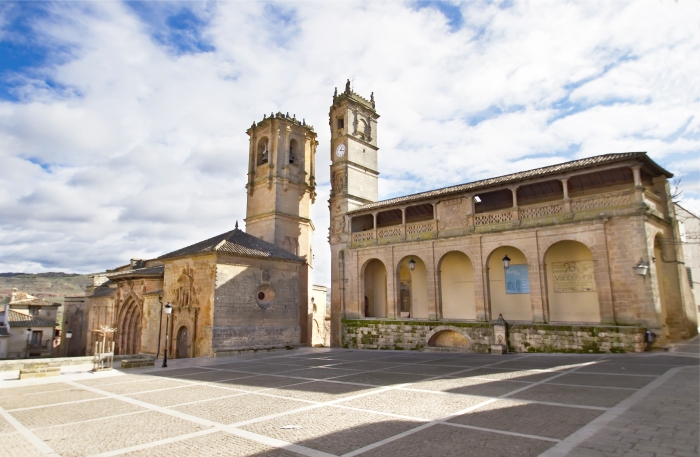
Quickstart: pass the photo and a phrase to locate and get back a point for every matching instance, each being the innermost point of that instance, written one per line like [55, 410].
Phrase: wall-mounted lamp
[477, 199]
[411, 264]
[641, 268]
[69, 334]
[506, 262]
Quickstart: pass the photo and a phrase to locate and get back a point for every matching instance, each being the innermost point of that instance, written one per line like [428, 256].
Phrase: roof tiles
[484, 183]
[237, 243]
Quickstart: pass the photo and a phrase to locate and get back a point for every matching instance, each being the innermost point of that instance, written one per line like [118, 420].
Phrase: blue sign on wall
[517, 281]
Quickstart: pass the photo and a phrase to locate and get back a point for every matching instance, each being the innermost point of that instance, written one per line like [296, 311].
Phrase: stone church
[235, 292]
[582, 256]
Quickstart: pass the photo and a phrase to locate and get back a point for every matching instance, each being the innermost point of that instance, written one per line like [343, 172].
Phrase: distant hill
[49, 286]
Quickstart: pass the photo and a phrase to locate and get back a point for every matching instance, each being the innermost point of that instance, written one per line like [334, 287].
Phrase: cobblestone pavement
[321, 402]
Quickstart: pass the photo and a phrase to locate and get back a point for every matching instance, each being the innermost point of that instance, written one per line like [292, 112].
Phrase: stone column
[516, 212]
[403, 222]
[374, 226]
[472, 213]
[638, 188]
[603, 281]
[431, 271]
[566, 205]
[480, 291]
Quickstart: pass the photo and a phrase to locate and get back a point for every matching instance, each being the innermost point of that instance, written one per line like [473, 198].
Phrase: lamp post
[168, 311]
[29, 333]
[506, 262]
[69, 335]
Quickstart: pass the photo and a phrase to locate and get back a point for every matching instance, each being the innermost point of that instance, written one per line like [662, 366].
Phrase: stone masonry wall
[410, 335]
[240, 323]
[573, 338]
[414, 335]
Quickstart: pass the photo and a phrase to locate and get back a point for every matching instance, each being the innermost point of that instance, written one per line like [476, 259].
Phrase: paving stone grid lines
[321, 402]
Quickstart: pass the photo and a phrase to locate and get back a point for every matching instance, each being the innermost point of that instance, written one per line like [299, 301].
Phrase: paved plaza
[322, 402]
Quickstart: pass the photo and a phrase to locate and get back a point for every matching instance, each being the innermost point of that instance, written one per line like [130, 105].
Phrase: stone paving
[321, 402]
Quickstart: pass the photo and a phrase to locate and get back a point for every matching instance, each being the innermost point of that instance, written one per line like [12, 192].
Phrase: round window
[265, 296]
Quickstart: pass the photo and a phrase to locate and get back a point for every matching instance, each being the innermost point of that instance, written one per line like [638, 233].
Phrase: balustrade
[389, 232]
[493, 218]
[602, 201]
[540, 211]
[417, 229]
[360, 237]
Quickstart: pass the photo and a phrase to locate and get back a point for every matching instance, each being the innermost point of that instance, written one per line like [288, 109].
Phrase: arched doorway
[571, 288]
[509, 290]
[413, 288]
[374, 298]
[182, 348]
[457, 286]
[129, 328]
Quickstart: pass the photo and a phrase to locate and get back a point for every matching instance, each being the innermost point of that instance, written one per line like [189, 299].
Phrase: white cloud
[130, 144]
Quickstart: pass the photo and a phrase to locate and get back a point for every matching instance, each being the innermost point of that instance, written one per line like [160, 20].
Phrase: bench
[40, 370]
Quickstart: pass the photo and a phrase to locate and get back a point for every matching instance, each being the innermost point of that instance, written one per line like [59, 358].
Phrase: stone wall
[410, 335]
[241, 319]
[574, 338]
[415, 335]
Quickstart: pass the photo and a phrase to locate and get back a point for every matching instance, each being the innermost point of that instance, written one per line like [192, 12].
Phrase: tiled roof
[537, 172]
[34, 302]
[18, 319]
[103, 292]
[138, 272]
[237, 243]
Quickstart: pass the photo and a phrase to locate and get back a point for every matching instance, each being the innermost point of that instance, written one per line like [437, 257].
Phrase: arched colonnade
[559, 280]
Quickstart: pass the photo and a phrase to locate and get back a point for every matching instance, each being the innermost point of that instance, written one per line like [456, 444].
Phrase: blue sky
[122, 124]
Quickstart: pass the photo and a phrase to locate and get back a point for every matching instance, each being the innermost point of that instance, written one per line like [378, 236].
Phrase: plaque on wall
[517, 281]
[573, 276]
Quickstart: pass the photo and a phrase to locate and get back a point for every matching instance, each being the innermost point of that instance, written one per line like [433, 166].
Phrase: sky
[122, 124]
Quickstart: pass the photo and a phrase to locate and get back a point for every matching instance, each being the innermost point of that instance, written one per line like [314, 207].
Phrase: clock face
[340, 150]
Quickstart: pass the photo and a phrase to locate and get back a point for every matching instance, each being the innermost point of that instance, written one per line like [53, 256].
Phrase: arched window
[293, 147]
[263, 152]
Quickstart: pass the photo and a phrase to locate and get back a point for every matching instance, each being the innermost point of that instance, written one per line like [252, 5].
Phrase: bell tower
[281, 184]
[354, 182]
[281, 188]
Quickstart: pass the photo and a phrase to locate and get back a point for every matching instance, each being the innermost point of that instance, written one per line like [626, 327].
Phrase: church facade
[581, 256]
[235, 292]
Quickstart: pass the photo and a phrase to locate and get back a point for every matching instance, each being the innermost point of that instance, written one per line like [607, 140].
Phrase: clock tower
[354, 182]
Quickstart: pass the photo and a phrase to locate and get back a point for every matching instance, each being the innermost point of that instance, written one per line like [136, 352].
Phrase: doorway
[182, 350]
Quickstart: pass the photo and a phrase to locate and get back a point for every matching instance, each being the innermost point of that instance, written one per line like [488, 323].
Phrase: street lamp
[69, 335]
[29, 333]
[412, 265]
[506, 262]
[641, 268]
[168, 311]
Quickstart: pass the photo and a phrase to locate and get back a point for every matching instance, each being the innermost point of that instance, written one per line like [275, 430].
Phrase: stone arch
[129, 327]
[374, 289]
[456, 276]
[412, 288]
[571, 282]
[509, 291]
[448, 337]
[263, 151]
[293, 151]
